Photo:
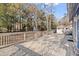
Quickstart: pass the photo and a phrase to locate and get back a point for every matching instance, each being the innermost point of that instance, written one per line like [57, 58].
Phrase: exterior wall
[76, 34]
[72, 10]
[73, 13]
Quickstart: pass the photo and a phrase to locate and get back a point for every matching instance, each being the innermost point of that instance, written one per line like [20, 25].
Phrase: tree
[41, 20]
[8, 15]
[54, 24]
[64, 21]
[27, 15]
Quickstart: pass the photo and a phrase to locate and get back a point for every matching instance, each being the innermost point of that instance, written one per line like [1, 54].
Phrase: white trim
[76, 19]
[76, 33]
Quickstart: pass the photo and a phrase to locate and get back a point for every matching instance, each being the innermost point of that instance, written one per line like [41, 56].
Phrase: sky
[59, 9]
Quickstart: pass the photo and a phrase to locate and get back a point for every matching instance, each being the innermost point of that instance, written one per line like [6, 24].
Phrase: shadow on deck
[23, 51]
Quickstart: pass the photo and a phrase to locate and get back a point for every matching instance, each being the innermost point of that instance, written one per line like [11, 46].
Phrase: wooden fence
[7, 39]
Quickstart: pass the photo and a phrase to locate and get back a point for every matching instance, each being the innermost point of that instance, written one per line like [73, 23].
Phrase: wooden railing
[7, 39]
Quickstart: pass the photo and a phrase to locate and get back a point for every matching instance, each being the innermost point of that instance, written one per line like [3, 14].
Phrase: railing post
[24, 36]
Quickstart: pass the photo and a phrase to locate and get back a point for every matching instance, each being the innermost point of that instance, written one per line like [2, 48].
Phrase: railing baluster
[24, 36]
[6, 39]
[12, 38]
[1, 40]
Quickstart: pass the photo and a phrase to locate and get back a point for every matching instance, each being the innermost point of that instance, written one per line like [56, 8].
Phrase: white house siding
[76, 34]
[60, 31]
